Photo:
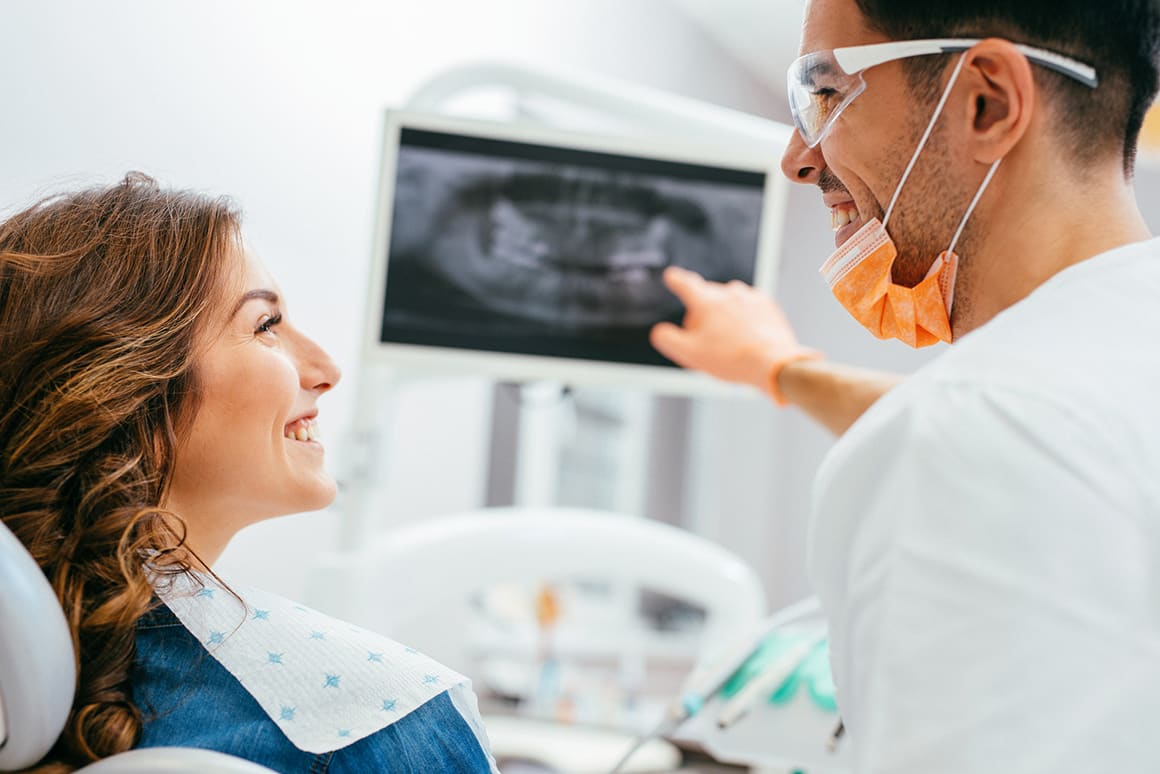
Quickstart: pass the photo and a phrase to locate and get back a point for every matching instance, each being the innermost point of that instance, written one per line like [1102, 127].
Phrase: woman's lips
[303, 430]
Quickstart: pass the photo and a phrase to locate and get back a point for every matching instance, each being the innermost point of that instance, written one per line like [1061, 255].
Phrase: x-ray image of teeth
[534, 255]
[568, 251]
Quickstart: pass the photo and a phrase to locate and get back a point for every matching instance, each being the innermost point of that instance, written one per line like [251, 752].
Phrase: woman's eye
[268, 324]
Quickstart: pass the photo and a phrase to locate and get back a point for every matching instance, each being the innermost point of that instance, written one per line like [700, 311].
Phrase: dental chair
[403, 574]
[38, 677]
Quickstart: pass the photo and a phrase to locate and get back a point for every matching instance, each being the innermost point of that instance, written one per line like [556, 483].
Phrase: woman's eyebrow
[250, 295]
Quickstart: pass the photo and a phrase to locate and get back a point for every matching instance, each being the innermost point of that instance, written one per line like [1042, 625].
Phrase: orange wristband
[772, 386]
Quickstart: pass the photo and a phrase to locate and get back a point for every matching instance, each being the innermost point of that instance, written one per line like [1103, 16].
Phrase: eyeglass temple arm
[854, 58]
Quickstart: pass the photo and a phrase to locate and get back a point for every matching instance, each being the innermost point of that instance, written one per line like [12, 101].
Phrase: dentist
[985, 534]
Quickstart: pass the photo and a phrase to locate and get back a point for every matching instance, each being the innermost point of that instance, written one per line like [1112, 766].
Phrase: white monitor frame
[432, 360]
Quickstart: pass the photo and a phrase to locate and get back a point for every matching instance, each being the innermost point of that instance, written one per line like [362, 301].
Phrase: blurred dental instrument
[769, 680]
[836, 737]
[703, 684]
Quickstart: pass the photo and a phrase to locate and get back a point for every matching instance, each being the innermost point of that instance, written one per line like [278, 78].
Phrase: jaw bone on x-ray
[508, 247]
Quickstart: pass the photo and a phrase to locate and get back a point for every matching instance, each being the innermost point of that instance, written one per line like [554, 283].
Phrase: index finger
[684, 284]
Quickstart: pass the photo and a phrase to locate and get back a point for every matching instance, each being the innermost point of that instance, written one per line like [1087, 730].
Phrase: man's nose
[800, 163]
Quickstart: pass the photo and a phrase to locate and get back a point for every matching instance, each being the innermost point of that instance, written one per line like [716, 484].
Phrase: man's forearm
[834, 395]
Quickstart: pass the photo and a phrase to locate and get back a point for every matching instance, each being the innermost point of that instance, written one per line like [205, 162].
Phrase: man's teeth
[302, 430]
[840, 218]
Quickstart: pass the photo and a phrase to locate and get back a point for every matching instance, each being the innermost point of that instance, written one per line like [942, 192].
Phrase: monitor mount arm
[639, 108]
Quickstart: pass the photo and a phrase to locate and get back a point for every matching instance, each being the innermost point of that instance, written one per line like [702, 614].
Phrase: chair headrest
[37, 666]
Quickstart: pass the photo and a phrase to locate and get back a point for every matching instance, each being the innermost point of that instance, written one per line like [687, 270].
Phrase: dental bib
[325, 683]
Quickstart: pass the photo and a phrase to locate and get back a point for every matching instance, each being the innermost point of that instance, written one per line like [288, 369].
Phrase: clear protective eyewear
[822, 84]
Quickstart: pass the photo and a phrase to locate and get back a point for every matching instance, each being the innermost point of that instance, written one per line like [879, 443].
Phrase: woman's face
[251, 451]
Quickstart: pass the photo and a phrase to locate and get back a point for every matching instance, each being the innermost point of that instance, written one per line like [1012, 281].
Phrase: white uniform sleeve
[991, 578]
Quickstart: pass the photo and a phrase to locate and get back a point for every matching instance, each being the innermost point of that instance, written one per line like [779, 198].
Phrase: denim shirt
[188, 699]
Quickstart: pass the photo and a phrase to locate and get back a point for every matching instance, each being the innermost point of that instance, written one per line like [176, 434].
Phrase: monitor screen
[523, 253]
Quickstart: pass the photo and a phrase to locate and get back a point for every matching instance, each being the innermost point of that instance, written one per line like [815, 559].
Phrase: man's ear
[1002, 93]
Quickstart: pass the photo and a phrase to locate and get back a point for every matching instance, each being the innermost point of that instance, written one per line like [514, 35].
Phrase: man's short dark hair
[1120, 38]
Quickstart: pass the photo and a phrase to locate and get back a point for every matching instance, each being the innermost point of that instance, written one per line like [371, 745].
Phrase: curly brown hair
[105, 295]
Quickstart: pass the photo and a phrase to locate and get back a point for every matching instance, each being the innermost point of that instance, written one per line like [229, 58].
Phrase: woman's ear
[1002, 94]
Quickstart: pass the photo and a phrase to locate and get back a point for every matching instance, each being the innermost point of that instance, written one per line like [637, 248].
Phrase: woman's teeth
[842, 217]
[302, 430]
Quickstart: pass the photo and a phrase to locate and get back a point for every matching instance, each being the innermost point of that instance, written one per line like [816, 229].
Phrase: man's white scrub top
[986, 542]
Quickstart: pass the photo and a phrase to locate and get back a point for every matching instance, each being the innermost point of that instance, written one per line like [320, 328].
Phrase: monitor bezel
[511, 367]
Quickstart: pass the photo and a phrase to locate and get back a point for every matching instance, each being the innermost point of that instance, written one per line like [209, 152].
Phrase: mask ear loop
[975, 201]
[950, 289]
[926, 136]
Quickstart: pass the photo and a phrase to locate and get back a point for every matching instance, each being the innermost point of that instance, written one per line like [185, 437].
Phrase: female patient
[155, 398]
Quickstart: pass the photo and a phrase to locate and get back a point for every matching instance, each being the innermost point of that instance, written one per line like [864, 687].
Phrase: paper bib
[325, 683]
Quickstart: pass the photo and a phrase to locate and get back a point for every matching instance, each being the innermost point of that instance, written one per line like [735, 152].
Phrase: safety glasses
[823, 83]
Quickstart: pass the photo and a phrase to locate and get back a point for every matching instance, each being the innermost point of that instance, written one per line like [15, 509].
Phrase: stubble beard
[928, 212]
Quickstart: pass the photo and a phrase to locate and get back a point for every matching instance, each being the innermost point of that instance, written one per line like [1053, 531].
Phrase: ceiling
[761, 34]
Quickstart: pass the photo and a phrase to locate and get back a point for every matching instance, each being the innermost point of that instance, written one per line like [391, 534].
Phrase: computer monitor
[528, 253]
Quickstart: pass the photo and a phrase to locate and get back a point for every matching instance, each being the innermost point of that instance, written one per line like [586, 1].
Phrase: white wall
[278, 104]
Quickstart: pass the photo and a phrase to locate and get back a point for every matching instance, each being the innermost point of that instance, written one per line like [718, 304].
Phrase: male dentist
[986, 533]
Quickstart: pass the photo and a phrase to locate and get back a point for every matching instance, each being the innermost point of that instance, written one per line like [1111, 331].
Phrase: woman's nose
[316, 368]
[802, 164]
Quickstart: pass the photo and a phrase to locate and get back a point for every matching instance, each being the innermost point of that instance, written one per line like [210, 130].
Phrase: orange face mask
[859, 272]
[859, 277]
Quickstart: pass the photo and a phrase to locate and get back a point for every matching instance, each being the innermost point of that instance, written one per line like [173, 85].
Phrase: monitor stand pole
[543, 412]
